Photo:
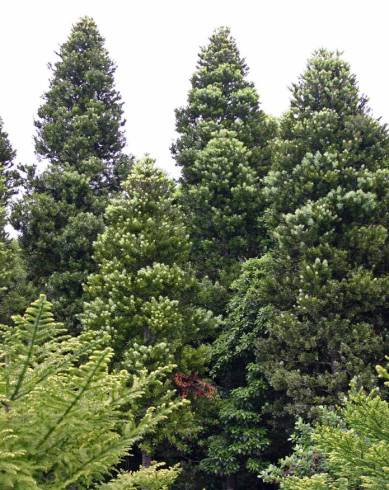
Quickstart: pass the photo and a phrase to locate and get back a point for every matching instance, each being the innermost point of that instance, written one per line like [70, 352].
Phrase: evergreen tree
[65, 421]
[347, 449]
[320, 306]
[223, 151]
[8, 170]
[79, 132]
[144, 293]
[15, 291]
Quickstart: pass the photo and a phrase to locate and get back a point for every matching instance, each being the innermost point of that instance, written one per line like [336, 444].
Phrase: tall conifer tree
[223, 152]
[318, 301]
[79, 133]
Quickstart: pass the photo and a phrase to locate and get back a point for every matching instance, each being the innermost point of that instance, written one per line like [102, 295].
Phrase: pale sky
[155, 45]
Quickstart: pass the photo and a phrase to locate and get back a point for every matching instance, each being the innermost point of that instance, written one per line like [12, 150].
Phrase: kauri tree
[223, 152]
[320, 296]
[79, 134]
[143, 293]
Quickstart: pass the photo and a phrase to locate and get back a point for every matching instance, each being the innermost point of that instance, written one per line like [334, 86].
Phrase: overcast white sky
[155, 45]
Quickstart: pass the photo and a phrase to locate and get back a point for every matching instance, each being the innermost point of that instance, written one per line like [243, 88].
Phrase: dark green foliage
[8, 172]
[320, 305]
[223, 151]
[79, 132]
[346, 449]
[239, 445]
[15, 291]
[223, 208]
[82, 114]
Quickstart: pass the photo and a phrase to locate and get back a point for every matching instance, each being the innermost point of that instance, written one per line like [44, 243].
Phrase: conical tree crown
[144, 225]
[143, 290]
[326, 137]
[82, 114]
[221, 97]
[80, 133]
[322, 287]
[327, 83]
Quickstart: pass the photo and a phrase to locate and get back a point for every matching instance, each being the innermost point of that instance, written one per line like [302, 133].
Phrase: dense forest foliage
[224, 331]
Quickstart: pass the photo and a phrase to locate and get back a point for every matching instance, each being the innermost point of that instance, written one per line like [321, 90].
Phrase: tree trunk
[146, 460]
[146, 335]
[230, 482]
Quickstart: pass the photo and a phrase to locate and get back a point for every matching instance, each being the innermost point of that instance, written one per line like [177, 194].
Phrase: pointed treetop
[221, 97]
[82, 114]
[327, 83]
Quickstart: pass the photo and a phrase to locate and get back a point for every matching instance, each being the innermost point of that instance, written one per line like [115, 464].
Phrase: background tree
[223, 151]
[320, 306]
[15, 291]
[8, 172]
[144, 292]
[79, 132]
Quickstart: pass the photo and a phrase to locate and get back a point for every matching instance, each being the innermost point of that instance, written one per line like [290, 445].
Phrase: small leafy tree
[237, 449]
[65, 421]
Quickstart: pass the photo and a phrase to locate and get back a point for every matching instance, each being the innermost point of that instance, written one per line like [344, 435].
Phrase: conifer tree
[65, 421]
[15, 291]
[349, 446]
[144, 293]
[223, 152]
[318, 300]
[8, 171]
[79, 133]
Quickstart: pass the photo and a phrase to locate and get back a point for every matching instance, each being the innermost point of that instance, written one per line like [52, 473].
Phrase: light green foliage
[320, 309]
[223, 151]
[79, 133]
[353, 447]
[65, 420]
[155, 477]
[144, 292]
